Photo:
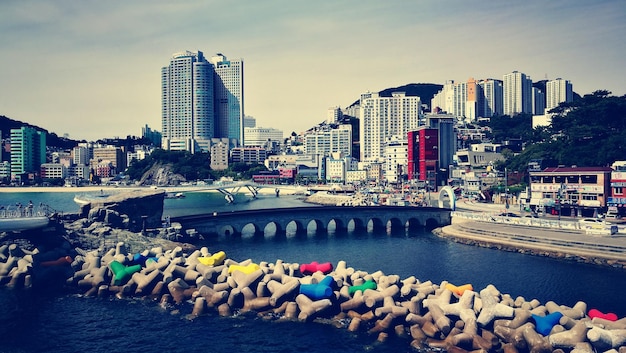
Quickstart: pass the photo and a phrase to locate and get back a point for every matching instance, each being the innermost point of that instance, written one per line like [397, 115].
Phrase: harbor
[386, 258]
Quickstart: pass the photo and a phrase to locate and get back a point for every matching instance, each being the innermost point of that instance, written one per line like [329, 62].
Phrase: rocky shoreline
[97, 260]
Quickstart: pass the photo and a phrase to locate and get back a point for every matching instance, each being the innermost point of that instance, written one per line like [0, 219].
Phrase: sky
[91, 69]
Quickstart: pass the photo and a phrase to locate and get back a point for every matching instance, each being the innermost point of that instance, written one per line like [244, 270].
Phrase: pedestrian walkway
[554, 242]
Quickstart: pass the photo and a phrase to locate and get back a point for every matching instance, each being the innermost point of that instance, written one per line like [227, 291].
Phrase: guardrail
[24, 211]
[602, 249]
[600, 228]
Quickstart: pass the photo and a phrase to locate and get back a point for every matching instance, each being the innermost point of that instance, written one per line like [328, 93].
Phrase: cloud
[69, 65]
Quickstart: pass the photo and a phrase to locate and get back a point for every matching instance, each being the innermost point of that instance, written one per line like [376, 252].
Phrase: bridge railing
[539, 222]
[24, 211]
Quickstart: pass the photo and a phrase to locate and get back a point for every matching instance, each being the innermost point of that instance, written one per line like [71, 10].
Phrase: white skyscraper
[517, 93]
[558, 91]
[229, 99]
[382, 118]
[187, 103]
[201, 100]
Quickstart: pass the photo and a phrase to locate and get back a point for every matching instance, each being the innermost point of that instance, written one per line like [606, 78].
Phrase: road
[574, 243]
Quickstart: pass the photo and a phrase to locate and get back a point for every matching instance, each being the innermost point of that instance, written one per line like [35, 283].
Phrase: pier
[15, 218]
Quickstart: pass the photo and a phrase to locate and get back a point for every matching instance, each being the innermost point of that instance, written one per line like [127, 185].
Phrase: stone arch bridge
[301, 220]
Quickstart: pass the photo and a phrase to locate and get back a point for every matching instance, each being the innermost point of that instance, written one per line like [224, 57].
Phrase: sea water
[40, 321]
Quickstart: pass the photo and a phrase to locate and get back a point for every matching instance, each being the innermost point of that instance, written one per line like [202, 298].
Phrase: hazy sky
[92, 68]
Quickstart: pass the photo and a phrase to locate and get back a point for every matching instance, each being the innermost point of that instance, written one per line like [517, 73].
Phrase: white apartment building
[328, 140]
[79, 172]
[53, 171]
[517, 93]
[261, 136]
[80, 155]
[356, 176]
[384, 117]
[337, 165]
[444, 99]
[187, 103]
[396, 159]
[229, 100]
[460, 99]
[558, 91]
[333, 115]
[139, 154]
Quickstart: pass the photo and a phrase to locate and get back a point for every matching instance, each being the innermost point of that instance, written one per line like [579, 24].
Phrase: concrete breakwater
[452, 317]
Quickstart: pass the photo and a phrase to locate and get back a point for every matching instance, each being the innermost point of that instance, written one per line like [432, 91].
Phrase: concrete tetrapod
[433, 315]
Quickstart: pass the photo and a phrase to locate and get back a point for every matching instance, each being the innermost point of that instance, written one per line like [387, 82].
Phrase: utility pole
[506, 189]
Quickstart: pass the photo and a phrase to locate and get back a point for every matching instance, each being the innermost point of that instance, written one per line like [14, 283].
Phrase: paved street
[564, 242]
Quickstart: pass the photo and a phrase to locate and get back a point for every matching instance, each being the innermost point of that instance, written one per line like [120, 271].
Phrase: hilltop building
[557, 92]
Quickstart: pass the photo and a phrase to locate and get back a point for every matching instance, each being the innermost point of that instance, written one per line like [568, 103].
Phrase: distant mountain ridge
[6, 124]
[426, 91]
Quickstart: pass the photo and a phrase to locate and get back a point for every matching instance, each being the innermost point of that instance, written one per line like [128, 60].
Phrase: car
[532, 215]
[592, 223]
[590, 220]
[508, 214]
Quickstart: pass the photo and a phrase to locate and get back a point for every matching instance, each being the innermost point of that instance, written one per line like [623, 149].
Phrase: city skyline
[90, 69]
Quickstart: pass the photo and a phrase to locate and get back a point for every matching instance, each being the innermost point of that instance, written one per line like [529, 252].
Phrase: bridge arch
[394, 224]
[413, 223]
[295, 227]
[251, 230]
[431, 224]
[316, 226]
[375, 224]
[227, 231]
[301, 219]
[337, 224]
[447, 198]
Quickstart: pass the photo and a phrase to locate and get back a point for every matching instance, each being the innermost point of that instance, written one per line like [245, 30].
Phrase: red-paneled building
[423, 155]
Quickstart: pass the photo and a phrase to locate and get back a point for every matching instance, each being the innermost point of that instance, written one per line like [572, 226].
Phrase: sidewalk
[560, 243]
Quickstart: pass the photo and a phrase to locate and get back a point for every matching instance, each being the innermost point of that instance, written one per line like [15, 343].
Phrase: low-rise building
[53, 171]
[570, 191]
[248, 155]
[617, 201]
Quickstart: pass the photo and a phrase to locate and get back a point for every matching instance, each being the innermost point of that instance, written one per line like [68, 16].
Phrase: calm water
[69, 323]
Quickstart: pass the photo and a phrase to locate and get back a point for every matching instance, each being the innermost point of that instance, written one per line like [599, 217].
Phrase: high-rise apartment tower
[201, 100]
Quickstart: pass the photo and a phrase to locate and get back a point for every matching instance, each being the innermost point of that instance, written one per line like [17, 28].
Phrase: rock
[134, 210]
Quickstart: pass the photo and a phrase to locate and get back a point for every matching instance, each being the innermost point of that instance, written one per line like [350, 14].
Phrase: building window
[589, 179]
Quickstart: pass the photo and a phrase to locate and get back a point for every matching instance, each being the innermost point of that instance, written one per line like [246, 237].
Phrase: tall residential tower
[558, 91]
[518, 90]
[201, 100]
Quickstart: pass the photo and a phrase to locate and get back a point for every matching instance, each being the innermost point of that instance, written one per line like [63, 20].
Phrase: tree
[588, 132]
